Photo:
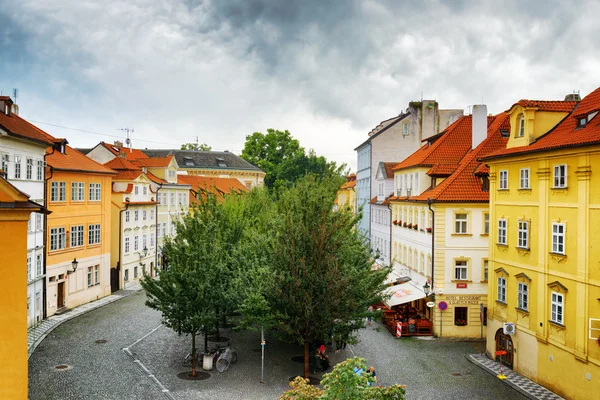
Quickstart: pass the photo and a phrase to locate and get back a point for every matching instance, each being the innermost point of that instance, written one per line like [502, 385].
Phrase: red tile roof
[546, 105]
[566, 133]
[155, 178]
[130, 154]
[205, 184]
[127, 175]
[442, 169]
[463, 185]
[389, 169]
[121, 164]
[17, 126]
[153, 162]
[73, 160]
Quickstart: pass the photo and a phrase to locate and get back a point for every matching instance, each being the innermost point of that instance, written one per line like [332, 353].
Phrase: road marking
[149, 374]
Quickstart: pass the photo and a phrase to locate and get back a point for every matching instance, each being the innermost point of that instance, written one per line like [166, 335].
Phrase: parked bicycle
[187, 361]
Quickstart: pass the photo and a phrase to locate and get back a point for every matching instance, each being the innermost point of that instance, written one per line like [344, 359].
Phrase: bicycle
[187, 361]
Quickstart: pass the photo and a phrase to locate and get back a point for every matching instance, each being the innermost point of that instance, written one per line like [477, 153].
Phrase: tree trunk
[194, 354]
[205, 340]
[306, 360]
[217, 325]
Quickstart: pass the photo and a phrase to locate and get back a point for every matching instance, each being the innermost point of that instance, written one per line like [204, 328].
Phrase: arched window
[521, 132]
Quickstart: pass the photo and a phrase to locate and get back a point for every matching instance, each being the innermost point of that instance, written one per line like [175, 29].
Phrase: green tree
[344, 383]
[283, 159]
[322, 277]
[194, 146]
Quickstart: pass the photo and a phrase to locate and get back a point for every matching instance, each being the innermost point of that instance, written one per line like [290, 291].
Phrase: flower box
[405, 225]
[428, 230]
[416, 227]
[410, 226]
[460, 322]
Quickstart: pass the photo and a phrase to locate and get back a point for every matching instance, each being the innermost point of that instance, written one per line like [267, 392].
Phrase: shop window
[460, 316]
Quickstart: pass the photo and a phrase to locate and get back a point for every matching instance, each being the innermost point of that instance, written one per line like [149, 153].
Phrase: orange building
[202, 185]
[15, 209]
[79, 234]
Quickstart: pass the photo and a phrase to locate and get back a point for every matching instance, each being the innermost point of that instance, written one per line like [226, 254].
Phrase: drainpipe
[120, 262]
[429, 203]
[390, 251]
[45, 240]
[156, 228]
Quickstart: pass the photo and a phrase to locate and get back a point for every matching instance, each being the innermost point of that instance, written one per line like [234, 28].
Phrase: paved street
[429, 368]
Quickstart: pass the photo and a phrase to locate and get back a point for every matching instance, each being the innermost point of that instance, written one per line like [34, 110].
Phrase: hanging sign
[430, 304]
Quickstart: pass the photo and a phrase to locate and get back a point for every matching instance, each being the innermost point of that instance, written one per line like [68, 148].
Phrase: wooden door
[60, 301]
[504, 342]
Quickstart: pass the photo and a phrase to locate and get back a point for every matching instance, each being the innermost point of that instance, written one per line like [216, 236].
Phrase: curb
[37, 342]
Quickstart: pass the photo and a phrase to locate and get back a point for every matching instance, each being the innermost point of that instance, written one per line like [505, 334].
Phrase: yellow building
[79, 235]
[15, 209]
[346, 196]
[544, 241]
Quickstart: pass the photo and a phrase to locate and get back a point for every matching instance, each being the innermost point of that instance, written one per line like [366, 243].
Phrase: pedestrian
[370, 318]
[372, 372]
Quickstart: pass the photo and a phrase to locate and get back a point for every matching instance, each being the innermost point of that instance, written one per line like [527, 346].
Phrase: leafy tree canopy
[194, 146]
[283, 159]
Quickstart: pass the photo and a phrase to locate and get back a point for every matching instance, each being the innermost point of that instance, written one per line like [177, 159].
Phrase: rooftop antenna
[197, 145]
[128, 140]
[15, 94]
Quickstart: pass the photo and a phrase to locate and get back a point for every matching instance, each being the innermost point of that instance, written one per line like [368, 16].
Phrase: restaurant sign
[470, 300]
[461, 285]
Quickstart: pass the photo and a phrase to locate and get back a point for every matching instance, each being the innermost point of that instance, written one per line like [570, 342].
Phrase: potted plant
[410, 226]
[416, 227]
[405, 225]
[461, 322]
[395, 222]
[400, 222]
[428, 230]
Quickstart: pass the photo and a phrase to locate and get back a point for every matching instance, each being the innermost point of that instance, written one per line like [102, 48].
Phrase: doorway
[504, 342]
[60, 301]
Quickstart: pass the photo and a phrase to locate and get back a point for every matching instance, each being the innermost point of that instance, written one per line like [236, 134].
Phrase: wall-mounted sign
[430, 304]
[461, 285]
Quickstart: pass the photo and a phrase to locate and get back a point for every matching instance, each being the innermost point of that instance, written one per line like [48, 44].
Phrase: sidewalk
[523, 385]
[36, 334]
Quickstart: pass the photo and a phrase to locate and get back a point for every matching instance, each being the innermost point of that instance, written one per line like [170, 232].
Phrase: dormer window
[582, 122]
[521, 131]
[188, 161]
[221, 162]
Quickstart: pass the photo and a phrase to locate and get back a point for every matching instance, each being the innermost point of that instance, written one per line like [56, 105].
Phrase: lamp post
[74, 264]
[143, 254]
[426, 288]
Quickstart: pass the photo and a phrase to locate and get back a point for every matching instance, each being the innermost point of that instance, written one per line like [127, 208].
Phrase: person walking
[370, 317]
[372, 372]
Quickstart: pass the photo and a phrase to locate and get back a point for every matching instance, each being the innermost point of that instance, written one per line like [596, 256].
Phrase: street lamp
[144, 252]
[426, 288]
[74, 264]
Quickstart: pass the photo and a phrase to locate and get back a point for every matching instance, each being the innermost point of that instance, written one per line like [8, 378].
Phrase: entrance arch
[504, 342]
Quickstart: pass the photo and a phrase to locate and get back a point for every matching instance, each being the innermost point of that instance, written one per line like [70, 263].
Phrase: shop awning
[403, 293]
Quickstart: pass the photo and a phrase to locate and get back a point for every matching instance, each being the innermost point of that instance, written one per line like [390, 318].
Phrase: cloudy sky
[328, 71]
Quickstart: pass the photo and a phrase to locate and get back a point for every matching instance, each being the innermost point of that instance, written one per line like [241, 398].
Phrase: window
[164, 229]
[77, 191]
[5, 160]
[145, 190]
[57, 238]
[486, 223]
[38, 265]
[523, 300]
[28, 268]
[77, 236]
[423, 219]
[582, 122]
[460, 223]
[524, 181]
[38, 222]
[95, 192]
[501, 231]
[92, 275]
[523, 235]
[503, 180]
[136, 244]
[17, 167]
[461, 316]
[405, 129]
[96, 274]
[172, 198]
[136, 190]
[152, 240]
[422, 266]
[151, 215]
[485, 270]
[502, 289]
[558, 238]
[136, 215]
[158, 232]
[144, 242]
[126, 215]
[126, 275]
[144, 214]
[558, 302]
[521, 131]
[172, 174]
[89, 276]
[127, 245]
[461, 270]
[40, 170]
[94, 234]
[135, 272]
[29, 169]
[560, 176]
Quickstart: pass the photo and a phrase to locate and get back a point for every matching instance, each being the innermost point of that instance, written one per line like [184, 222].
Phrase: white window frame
[77, 191]
[486, 269]
[17, 167]
[461, 270]
[503, 180]
[136, 243]
[560, 176]
[29, 168]
[501, 289]
[523, 296]
[152, 240]
[523, 238]
[136, 215]
[93, 234]
[558, 238]
[38, 265]
[96, 274]
[28, 268]
[462, 223]
[486, 223]
[557, 310]
[77, 235]
[40, 170]
[502, 231]
[127, 245]
[126, 215]
[57, 238]
[5, 161]
[524, 178]
[521, 131]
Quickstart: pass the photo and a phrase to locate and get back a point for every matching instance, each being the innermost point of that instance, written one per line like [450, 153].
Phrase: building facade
[381, 221]
[545, 280]
[22, 156]
[346, 196]
[15, 210]
[79, 229]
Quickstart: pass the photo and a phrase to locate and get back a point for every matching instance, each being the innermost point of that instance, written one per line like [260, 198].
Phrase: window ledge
[559, 189]
[483, 281]
[461, 234]
[558, 257]
[523, 249]
[557, 325]
[524, 189]
[504, 190]
[484, 234]
[502, 245]
[501, 303]
[522, 310]
[461, 281]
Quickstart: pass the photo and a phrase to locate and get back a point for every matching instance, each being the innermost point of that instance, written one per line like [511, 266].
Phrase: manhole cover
[456, 374]
[313, 379]
[200, 376]
[63, 367]
[298, 359]
[101, 341]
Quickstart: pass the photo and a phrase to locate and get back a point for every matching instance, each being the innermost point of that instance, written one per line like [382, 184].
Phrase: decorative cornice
[557, 284]
[543, 173]
[583, 172]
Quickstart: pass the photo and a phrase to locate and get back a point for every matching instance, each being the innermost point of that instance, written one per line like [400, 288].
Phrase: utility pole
[128, 140]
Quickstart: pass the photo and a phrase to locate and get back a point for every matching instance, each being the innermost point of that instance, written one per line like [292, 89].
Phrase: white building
[381, 222]
[22, 154]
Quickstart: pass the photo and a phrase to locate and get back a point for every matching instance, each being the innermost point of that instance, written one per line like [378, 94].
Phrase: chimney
[478, 124]
[573, 96]
[6, 105]
[118, 144]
